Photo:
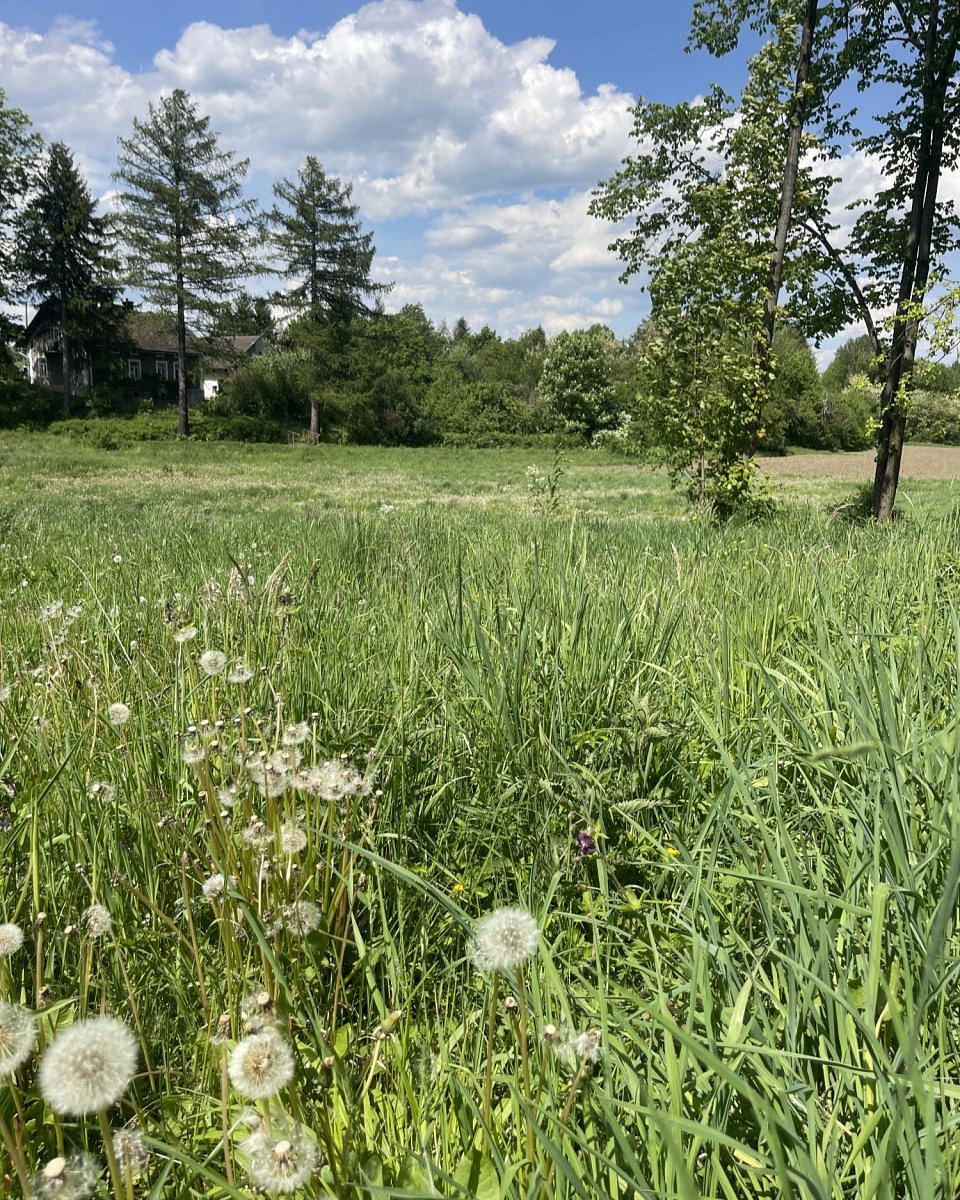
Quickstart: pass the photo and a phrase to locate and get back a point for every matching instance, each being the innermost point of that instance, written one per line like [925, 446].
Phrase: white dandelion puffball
[66, 1178]
[261, 1065]
[213, 661]
[11, 939]
[239, 672]
[99, 921]
[18, 1033]
[212, 887]
[504, 939]
[294, 735]
[118, 714]
[131, 1151]
[281, 1160]
[184, 635]
[88, 1067]
[293, 839]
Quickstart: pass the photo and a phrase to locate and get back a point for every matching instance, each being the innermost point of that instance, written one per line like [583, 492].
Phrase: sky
[473, 131]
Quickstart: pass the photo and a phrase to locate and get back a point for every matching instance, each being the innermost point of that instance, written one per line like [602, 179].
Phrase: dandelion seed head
[256, 834]
[184, 635]
[131, 1151]
[227, 795]
[118, 714]
[98, 919]
[88, 1067]
[260, 1065]
[213, 661]
[504, 939]
[293, 735]
[303, 917]
[66, 1178]
[239, 672]
[213, 887]
[293, 839]
[18, 1033]
[282, 1159]
[100, 789]
[192, 752]
[5, 693]
[11, 939]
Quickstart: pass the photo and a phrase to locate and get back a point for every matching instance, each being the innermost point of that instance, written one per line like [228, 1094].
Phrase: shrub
[27, 405]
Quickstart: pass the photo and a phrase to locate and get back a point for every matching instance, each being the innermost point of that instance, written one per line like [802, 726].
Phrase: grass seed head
[88, 1067]
[18, 1033]
[504, 940]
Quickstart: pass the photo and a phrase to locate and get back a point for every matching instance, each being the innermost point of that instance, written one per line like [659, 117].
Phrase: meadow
[284, 731]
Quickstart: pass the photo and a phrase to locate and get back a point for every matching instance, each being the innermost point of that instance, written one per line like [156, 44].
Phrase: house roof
[157, 332]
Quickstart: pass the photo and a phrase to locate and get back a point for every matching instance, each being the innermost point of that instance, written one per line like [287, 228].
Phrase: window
[161, 368]
[42, 366]
[133, 368]
[176, 369]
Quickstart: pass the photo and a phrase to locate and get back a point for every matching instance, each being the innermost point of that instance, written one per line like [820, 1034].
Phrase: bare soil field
[919, 462]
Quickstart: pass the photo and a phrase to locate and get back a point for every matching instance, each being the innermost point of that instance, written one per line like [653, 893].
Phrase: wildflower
[280, 1159]
[303, 916]
[505, 939]
[88, 1067]
[227, 795]
[213, 887]
[118, 714]
[293, 735]
[66, 1178]
[11, 939]
[293, 839]
[117, 559]
[18, 1032]
[99, 921]
[192, 752]
[184, 635]
[260, 1065]
[239, 672]
[213, 661]
[586, 844]
[131, 1152]
[256, 834]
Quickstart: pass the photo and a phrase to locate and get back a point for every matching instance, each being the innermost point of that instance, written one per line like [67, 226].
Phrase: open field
[718, 767]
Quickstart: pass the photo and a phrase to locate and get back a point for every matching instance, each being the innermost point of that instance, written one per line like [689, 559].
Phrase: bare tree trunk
[66, 359]
[791, 166]
[916, 266]
[314, 417]
[182, 406]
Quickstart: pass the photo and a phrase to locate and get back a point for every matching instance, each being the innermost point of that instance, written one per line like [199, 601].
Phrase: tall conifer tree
[189, 233]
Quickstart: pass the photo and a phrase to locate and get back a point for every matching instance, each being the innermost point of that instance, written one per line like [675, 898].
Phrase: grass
[755, 728]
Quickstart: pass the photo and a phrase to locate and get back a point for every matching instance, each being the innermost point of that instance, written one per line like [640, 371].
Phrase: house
[143, 355]
[236, 349]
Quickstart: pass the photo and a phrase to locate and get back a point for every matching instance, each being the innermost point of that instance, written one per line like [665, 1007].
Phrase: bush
[113, 433]
[934, 417]
[28, 405]
[493, 440]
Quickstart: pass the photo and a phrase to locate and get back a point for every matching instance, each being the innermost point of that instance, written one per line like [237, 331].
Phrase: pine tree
[317, 236]
[65, 259]
[19, 150]
[190, 235]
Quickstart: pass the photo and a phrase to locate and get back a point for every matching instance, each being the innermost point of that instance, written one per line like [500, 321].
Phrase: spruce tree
[19, 150]
[327, 259]
[190, 235]
[64, 258]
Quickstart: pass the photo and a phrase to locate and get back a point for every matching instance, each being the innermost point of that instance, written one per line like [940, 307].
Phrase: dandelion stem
[491, 1033]
[16, 1156]
[116, 1178]
[525, 1061]
[225, 1118]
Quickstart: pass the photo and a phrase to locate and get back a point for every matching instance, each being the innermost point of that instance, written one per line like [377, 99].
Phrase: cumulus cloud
[416, 102]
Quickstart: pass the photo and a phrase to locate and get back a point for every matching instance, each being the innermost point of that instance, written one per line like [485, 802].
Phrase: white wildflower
[280, 1159]
[213, 661]
[118, 714]
[293, 735]
[71, 1178]
[98, 919]
[261, 1065]
[239, 672]
[11, 939]
[88, 1067]
[504, 939]
[293, 839]
[18, 1033]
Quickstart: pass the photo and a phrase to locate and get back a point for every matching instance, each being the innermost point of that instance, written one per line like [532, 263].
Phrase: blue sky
[473, 132]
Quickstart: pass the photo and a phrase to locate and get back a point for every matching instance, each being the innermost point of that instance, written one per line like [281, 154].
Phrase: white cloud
[416, 102]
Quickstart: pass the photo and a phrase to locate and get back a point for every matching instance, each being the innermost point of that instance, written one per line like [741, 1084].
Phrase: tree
[327, 259]
[245, 314]
[576, 383]
[19, 151]
[189, 233]
[65, 258]
[857, 356]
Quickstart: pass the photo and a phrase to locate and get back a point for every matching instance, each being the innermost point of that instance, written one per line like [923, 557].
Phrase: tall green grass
[757, 728]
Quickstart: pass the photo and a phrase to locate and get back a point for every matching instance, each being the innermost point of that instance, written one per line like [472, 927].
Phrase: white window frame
[134, 369]
[162, 369]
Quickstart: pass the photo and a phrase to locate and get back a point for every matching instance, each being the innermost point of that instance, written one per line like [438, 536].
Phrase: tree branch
[846, 271]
